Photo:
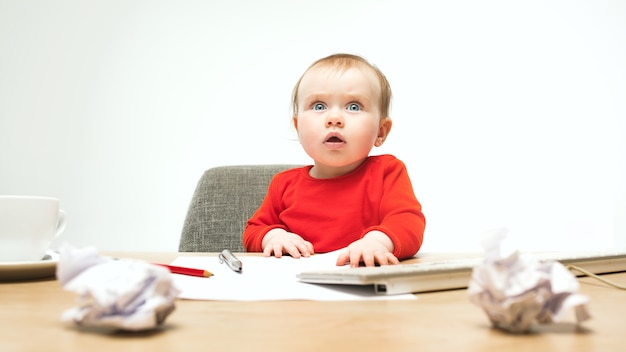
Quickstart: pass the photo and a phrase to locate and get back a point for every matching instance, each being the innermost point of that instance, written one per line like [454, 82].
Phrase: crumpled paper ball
[122, 294]
[518, 292]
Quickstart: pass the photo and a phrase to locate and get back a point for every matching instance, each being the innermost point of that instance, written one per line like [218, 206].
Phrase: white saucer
[10, 271]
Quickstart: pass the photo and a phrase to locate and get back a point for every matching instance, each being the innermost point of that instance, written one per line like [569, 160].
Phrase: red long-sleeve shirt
[332, 213]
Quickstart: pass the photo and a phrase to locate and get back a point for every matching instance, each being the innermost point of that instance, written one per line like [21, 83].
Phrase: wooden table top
[30, 321]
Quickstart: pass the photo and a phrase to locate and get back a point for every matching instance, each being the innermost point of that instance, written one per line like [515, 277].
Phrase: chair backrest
[224, 199]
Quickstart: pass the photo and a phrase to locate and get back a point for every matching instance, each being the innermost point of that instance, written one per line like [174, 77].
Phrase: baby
[347, 199]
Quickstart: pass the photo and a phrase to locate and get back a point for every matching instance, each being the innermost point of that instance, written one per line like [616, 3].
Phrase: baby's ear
[295, 122]
[383, 131]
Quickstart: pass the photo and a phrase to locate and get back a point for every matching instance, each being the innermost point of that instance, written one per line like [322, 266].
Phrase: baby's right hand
[279, 242]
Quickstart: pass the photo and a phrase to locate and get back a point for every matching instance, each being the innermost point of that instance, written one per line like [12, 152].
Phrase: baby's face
[338, 118]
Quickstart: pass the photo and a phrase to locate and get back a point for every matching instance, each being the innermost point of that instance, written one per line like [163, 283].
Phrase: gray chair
[224, 199]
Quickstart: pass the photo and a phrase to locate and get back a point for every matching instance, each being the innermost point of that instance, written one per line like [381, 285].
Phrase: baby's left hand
[374, 248]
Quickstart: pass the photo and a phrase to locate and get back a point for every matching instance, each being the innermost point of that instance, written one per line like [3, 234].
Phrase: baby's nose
[334, 119]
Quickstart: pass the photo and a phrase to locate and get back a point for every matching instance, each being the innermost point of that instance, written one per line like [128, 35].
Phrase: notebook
[436, 275]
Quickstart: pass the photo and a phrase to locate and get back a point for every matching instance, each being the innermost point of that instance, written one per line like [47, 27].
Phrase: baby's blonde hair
[343, 62]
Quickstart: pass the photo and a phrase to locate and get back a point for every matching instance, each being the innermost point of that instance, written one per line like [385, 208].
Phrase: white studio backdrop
[506, 113]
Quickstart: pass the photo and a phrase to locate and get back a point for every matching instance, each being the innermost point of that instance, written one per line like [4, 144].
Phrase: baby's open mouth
[334, 139]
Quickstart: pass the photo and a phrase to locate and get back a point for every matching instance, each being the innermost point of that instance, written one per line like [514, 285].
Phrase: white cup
[27, 227]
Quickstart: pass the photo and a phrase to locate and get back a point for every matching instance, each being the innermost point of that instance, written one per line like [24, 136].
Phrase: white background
[506, 113]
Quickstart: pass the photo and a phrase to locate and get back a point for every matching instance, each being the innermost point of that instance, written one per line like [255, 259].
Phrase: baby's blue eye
[318, 106]
[354, 107]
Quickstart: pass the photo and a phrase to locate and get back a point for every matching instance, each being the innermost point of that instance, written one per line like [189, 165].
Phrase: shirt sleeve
[263, 220]
[401, 213]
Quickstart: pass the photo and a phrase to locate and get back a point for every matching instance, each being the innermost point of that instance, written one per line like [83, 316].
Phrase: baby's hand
[279, 242]
[374, 248]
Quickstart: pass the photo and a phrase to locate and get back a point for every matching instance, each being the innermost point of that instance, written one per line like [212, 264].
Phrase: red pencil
[186, 271]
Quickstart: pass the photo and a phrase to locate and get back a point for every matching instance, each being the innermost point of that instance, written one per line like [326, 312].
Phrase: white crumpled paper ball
[121, 294]
[518, 292]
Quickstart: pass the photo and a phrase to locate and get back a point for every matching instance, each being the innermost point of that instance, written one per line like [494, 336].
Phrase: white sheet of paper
[267, 279]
